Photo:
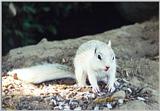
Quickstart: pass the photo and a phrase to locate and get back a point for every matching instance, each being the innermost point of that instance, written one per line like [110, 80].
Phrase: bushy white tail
[41, 73]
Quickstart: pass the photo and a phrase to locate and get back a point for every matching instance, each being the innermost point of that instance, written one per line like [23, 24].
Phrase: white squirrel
[94, 59]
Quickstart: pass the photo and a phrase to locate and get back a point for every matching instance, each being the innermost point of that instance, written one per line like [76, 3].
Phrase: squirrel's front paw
[111, 87]
[95, 89]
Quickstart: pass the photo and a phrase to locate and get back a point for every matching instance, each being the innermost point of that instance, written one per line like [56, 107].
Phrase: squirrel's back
[45, 72]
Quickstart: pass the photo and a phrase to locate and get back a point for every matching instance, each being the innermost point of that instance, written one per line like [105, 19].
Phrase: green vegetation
[34, 20]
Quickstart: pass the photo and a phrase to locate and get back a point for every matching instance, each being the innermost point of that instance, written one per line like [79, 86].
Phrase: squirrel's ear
[109, 43]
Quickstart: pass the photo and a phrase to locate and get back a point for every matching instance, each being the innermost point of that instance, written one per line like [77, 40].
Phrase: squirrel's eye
[113, 58]
[99, 57]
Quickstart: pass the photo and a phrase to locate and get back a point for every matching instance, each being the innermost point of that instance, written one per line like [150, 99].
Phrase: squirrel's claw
[111, 89]
[95, 89]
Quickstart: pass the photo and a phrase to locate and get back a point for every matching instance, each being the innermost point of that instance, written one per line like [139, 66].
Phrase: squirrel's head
[104, 57]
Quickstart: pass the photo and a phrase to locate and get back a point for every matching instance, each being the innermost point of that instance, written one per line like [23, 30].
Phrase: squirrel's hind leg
[80, 76]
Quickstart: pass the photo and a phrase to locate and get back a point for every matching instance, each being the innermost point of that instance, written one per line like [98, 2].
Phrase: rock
[129, 89]
[54, 102]
[78, 108]
[136, 104]
[126, 42]
[66, 107]
[119, 94]
[133, 51]
[109, 106]
[120, 101]
[142, 72]
[89, 95]
[96, 108]
[140, 98]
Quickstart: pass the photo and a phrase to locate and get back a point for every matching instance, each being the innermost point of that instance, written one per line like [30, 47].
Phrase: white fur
[86, 64]
[41, 73]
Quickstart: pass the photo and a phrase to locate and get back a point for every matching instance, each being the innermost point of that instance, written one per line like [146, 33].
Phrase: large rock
[136, 47]
[138, 40]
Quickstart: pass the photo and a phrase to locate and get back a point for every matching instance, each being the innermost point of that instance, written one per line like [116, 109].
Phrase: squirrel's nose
[106, 69]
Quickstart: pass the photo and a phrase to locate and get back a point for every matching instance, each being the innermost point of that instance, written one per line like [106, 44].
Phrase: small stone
[54, 102]
[89, 95]
[59, 98]
[66, 101]
[119, 94]
[60, 107]
[56, 108]
[114, 103]
[63, 60]
[66, 107]
[129, 90]
[101, 94]
[140, 98]
[75, 102]
[109, 106]
[120, 101]
[61, 103]
[78, 108]
[96, 108]
[92, 95]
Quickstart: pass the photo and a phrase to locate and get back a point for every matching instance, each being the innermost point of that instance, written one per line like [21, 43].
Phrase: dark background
[62, 20]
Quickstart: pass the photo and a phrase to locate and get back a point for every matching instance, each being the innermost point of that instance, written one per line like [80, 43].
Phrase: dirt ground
[137, 53]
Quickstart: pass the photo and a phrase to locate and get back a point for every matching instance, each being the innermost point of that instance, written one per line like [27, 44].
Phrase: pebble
[62, 104]
[66, 101]
[75, 102]
[92, 95]
[96, 108]
[119, 94]
[129, 90]
[78, 108]
[120, 101]
[56, 108]
[109, 106]
[54, 102]
[60, 107]
[140, 98]
[101, 93]
[63, 60]
[89, 95]
[59, 98]
[66, 107]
